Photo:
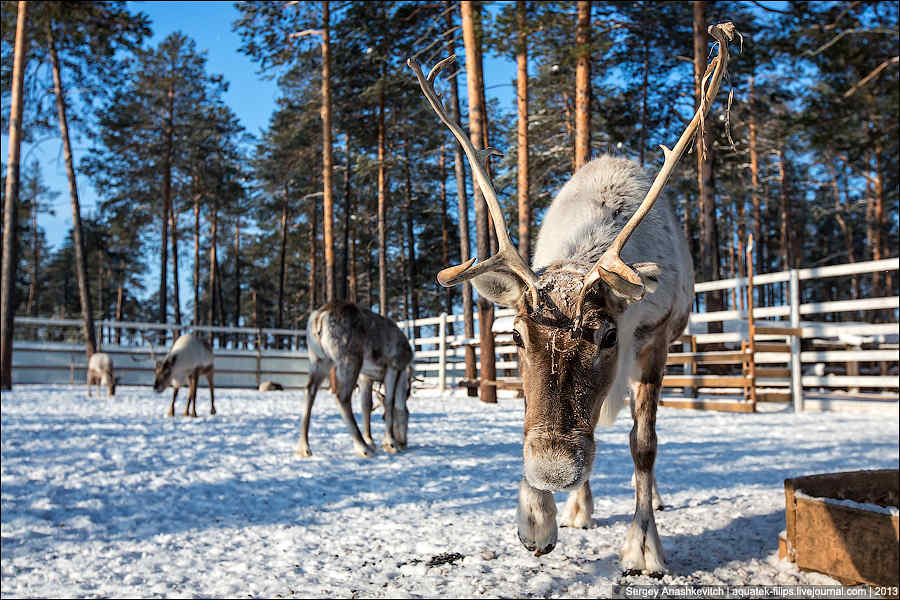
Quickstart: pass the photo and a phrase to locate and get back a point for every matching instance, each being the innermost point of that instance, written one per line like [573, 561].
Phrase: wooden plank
[714, 405]
[703, 380]
[772, 373]
[708, 358]
[763, 347]
[773, 397]
[769, 330]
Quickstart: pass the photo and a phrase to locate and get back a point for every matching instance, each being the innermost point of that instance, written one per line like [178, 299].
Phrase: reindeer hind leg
[318, 370]
[347, 372]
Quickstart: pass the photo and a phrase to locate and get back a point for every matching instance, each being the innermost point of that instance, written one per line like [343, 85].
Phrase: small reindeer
[359, 344]
[187, 360]
[100, 371]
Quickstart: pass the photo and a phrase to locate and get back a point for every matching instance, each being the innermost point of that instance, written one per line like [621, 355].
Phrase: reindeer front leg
[643, 551]
[365, 397]
[171, 412]
[536, 519]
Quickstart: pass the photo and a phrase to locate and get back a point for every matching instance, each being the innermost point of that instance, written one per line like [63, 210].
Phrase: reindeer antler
[507, 257]
[610, 268]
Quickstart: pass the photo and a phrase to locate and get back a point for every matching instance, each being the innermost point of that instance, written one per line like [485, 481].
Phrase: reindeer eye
[609, 339]
[517, 338]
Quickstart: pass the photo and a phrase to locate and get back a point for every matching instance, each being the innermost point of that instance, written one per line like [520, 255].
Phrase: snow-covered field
[110, 498]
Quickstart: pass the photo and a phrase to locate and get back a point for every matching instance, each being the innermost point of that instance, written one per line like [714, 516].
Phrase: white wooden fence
[832, 354]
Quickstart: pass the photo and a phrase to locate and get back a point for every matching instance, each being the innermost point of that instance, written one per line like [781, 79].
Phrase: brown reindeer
[594, 321]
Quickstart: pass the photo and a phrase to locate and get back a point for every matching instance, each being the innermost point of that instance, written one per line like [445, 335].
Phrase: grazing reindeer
[187, 360]
[359, 344]
[100, 370]
[589, 327]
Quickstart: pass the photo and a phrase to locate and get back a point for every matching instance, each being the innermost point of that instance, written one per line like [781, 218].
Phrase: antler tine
[507, 257]
[610, 268]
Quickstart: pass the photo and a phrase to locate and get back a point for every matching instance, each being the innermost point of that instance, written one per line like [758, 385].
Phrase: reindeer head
[163, 373]
[568, 315]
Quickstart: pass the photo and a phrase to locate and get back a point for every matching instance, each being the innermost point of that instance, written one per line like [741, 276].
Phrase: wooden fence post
[442, 353]
[796, 374]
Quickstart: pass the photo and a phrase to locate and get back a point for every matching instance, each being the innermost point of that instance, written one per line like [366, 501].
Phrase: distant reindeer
[100, 371]
[359, 344]
[187, 360]
[590, 327]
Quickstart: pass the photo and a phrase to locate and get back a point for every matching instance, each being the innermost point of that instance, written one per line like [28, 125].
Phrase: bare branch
[871, 75]
[842, 34]
[306, 32]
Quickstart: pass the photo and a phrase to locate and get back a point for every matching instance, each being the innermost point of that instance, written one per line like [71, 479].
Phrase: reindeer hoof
[302, 451]
[389, 447]
[212, 412]
[365, 451]
[170, 414]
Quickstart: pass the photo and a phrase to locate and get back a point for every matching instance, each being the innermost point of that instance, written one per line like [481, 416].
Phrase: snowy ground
[110, 498]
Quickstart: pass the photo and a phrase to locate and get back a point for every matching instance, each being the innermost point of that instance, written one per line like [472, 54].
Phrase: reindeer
[187, 360]
[589, 327]
[100, 371]
[359, 344]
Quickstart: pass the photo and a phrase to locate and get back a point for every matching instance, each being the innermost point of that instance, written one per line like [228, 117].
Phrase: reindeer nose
[553, 464]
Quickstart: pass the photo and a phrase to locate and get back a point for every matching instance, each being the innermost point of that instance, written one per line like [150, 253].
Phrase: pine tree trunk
[583, 85]
[475, 82]
[77, 237]
[877, 225]
[120, 300]
[411, 241]
[236, 321]
[445, 235]
[784, 214]
[313, 266]
[754, 177]
[166, 202]
[32, 308]
[709, 259]
[462, 214]
[523, 203]
[327, 163]
[282, 256]
[213, 245]
[11, 202]
[348, 209]
[645, 75]
[176, 292]
[196, 260]
[382, 205]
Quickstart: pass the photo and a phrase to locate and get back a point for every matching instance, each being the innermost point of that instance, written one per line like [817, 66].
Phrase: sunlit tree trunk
[11, 201]
[196, 260]
[327, 163]
[282, 258]
[77, 237]
[348, 209]
[523, 203]
[462, 213]
[382, 205]
[583, 85]
[176, 292]
[475, 82]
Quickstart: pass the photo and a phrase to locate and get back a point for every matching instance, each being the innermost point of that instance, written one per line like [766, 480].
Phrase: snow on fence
[831, 352]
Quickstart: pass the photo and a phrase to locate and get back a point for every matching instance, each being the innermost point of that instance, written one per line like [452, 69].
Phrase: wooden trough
[841, 524]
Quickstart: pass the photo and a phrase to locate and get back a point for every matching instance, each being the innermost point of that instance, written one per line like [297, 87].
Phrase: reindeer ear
[501, 287]
[649, 274]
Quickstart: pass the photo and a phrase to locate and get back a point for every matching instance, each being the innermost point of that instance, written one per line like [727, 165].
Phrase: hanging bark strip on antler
[507, 257]
[610, 268]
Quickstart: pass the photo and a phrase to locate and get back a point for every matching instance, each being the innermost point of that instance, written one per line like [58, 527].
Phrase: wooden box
[841, 524]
